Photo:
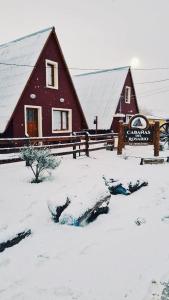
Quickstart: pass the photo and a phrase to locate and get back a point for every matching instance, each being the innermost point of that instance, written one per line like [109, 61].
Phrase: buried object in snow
[116, 187]
[56, 210]
[139, 221]
[81, 209]
[15, 240]
[85, 215]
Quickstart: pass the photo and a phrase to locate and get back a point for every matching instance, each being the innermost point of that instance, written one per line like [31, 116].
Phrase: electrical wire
[92, 69]
[154, 81]
[98, 69]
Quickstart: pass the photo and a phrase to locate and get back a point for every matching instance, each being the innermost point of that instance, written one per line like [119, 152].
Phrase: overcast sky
[101, 34]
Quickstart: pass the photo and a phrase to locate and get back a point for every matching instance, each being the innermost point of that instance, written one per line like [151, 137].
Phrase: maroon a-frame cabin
[37, 96]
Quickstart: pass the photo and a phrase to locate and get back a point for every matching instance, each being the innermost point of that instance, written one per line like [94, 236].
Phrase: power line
[92, 69]
[98, 69]
[16, 65]
[157, 89]
[72, 68]
[150, 69]
[157, 93]
[154, 81]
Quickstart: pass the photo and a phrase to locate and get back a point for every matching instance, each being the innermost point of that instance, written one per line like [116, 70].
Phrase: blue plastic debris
[119, 189]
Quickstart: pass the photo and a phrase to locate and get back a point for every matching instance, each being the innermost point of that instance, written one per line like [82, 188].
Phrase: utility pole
[96, 123]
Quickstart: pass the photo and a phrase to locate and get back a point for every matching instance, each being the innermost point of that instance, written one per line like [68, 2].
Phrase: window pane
[127, 94]
[64, 120]
[56, 120]
[31, 114]
[50, 74]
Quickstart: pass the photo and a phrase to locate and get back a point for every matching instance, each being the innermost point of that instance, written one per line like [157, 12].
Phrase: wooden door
[32, 122]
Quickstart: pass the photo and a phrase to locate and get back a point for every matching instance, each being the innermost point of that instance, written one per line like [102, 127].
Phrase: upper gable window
[51, 74]
[127, 94]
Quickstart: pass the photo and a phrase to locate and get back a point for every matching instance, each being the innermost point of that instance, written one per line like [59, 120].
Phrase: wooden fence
[74, 144]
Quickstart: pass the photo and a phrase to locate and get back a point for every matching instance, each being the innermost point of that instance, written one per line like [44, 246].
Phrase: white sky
[100, 34]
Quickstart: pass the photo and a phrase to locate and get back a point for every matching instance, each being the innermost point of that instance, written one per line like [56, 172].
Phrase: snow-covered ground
[109, 259]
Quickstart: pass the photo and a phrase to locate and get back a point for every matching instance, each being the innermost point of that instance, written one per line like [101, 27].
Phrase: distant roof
[17, 59]
[159, 117]
[152, 92]
[99, 93]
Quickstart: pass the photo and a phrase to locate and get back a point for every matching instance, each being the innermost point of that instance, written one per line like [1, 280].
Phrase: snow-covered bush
[39, 160]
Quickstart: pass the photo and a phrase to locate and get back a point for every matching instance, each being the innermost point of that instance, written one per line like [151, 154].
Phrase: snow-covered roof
[152, 91]
[99, 93]
[17, 59]
[159, 117]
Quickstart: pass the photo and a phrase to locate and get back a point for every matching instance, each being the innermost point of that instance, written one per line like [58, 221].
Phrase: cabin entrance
[32, 120]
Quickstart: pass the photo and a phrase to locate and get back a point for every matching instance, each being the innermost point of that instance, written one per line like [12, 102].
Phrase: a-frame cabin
[109, 95]
[37, 96]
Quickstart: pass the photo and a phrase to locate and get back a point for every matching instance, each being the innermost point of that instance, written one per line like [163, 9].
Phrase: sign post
[156, 138]
[96, 122]
[120, 138]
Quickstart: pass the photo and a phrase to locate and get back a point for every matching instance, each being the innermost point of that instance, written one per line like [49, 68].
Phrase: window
[61, 120]
[127, 94]
[51, 74]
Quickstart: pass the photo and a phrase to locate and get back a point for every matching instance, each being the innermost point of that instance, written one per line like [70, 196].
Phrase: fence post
[156, 138]
[74, 146]
[28, 144]
[87, 143]
[120, 139]
[112, 141]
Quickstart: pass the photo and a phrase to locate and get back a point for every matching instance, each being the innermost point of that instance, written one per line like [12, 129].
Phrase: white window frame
[69, 120]
[127, 94]
[56, 84]
[39, 119]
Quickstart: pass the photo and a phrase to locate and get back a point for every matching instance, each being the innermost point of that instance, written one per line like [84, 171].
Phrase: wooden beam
[156, 138]
[120, 138]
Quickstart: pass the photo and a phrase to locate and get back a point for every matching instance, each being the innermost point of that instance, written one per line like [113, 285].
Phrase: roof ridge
[27, 36]
[103, 71]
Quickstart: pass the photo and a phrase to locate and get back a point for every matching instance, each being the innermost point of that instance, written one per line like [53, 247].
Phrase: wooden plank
[40, 139]
[53, 146]
[156, 138]
[98, 148]
[17, 159]
[9, 160]
[102, 135]
[101, 141]
[152, 161]
[120, 138]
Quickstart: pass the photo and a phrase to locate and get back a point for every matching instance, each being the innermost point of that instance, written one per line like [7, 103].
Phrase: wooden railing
[79, 143]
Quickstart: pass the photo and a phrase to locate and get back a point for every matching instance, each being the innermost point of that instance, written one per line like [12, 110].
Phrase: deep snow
[111, 258]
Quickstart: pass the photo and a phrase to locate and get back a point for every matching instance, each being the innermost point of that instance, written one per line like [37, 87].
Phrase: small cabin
[107, 96]
[37, 95]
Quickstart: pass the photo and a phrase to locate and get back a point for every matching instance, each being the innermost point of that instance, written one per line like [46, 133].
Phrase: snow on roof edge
[26, 36]
[102, 71]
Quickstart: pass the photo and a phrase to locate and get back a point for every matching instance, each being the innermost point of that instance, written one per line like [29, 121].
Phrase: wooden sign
[138, 131]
